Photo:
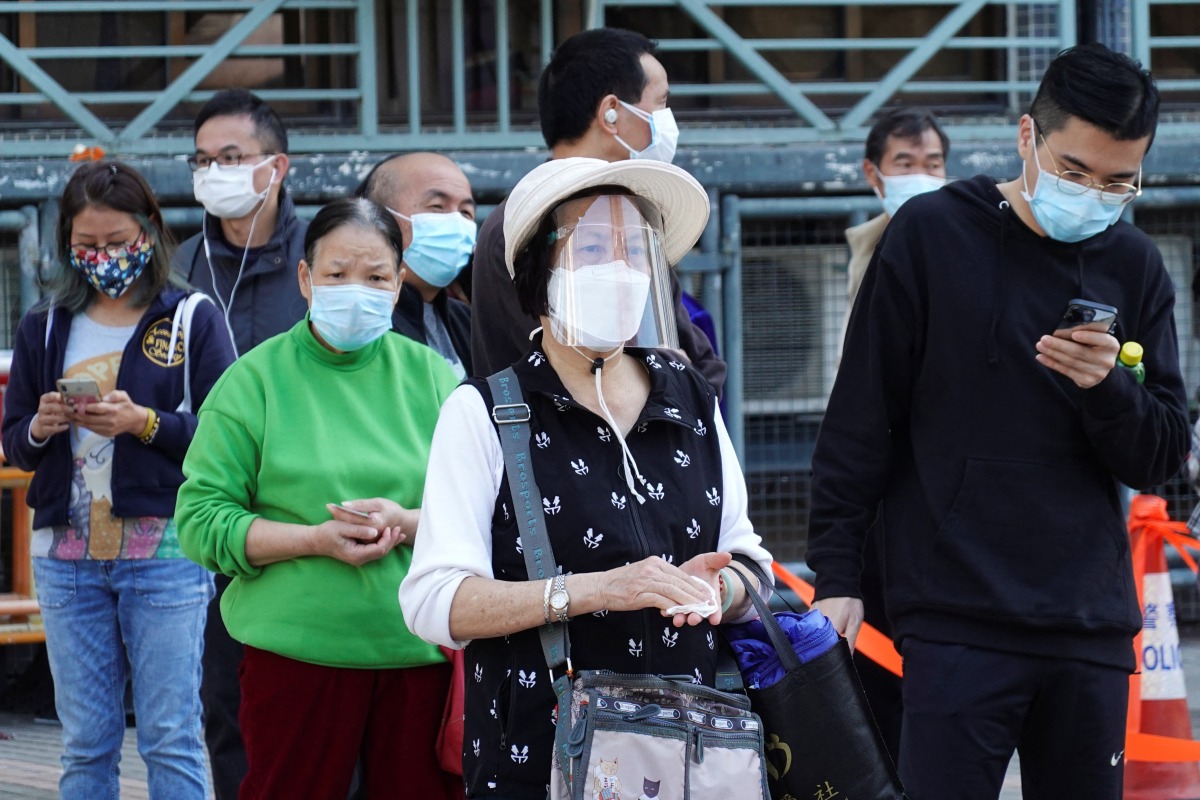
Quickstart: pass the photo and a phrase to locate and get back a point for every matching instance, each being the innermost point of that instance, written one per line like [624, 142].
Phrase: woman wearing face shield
[305, 486]
[644, 500]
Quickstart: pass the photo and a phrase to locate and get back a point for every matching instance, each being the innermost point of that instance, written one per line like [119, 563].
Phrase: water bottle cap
[1131, 354]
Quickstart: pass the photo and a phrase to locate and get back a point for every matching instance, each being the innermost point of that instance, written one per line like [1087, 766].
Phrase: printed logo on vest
[158, 339]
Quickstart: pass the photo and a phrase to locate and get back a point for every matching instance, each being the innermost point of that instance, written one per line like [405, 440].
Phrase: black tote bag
[820, 737]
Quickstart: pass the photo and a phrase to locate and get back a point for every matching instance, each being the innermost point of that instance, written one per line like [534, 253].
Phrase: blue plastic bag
[811, 635]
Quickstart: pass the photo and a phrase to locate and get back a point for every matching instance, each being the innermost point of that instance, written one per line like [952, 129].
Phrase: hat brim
[678, 197]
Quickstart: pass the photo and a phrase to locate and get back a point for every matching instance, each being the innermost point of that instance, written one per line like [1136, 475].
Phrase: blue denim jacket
[145, 477]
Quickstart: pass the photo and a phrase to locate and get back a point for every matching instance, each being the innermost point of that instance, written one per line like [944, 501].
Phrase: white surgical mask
[228, 192]
[899, 189]
[351, 316]
[440, 247]
[1066, 217]
[664, 135]
[599, 307]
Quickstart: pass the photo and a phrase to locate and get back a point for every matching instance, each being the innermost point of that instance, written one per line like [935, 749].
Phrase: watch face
[559, 600]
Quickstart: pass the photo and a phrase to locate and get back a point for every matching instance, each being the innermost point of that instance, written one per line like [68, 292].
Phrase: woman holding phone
[305, 486]
[135, 355]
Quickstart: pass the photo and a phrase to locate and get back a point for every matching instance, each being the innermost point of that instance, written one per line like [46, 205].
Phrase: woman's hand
[653, 583]
[705, 567]
[113, 415]
[355, 543]
[381, 513]
[53, 416]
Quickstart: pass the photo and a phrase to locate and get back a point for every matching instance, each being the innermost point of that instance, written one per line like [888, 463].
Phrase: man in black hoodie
[990, 452]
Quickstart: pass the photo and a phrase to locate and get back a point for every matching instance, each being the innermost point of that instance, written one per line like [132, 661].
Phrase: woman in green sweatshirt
[337, 408]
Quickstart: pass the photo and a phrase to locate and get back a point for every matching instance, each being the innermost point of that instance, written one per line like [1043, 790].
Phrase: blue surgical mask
[899, 189]
[441, 246]
[1067, 217]
[664, 135]
[351, 316]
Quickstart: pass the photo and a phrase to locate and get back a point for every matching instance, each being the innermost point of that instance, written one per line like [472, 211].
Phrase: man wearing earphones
[603, 95]
[245, 258]
[246, 253]
[431, 199]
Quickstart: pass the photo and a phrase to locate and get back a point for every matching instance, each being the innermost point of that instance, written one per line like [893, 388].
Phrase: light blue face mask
[1067, 217]
[899, 189]
[350, 317]
[441, 246]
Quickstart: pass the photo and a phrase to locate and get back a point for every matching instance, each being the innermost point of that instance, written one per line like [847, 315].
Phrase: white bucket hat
[679, 198]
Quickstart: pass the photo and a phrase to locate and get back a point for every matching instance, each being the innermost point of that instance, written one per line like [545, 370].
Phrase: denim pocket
[54, 580]
[171, 582]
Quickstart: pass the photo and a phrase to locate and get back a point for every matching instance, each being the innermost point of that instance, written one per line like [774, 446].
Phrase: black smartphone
[1085, 315]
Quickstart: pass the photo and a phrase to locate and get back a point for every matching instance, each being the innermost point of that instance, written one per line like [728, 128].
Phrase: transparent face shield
[610, 282]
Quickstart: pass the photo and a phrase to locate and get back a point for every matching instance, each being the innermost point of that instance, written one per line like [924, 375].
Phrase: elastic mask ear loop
[635, 153]
[1037, 165]
[631, 467]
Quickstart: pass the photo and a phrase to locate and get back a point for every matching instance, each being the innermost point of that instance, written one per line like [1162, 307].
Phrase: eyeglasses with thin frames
[223, 160]
[1072, 181]
[114, 250]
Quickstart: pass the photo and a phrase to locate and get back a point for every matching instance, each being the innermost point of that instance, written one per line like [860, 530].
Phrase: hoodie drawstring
[993, 349]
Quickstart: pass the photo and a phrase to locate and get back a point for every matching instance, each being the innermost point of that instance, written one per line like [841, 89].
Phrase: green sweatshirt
[288, 428]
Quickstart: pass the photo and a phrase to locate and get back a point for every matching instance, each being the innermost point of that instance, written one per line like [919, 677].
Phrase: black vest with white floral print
[594, 524]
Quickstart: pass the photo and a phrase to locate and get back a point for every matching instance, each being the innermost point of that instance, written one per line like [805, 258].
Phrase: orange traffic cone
[1162, 706]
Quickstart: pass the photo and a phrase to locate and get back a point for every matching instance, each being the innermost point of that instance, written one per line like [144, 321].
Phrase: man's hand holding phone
[1082, 347]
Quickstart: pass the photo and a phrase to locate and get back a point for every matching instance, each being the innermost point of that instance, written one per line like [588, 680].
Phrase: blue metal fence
[406, 75]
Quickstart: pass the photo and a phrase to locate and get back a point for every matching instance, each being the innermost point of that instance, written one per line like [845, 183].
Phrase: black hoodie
[995, 479]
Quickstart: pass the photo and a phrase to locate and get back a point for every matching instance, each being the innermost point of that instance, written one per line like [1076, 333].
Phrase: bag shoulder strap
[779, 639]
[511, 414]
[183, 321]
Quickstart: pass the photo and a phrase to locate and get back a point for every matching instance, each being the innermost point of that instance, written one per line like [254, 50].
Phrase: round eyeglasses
[1072, 181]
[114, 251]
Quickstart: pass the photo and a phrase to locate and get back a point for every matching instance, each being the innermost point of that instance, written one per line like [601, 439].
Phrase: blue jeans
[98, 613]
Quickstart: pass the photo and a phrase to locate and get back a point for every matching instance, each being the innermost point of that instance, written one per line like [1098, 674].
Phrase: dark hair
[583, 70]
[357, 211]
[531, 270]
[1103, 88]
[110, 184]
[268, 128]
[903, 123]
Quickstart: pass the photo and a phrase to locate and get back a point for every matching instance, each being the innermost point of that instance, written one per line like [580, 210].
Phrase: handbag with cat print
[620, 736]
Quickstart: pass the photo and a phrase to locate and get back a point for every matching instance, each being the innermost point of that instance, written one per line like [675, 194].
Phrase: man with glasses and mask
[603, 95]
[245, 258]
[989, 451]
[246, 253]
[430, 197]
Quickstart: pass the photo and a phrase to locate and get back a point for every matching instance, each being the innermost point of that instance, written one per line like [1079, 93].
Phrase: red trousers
[306, 725]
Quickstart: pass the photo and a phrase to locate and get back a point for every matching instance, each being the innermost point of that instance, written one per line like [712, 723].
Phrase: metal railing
[422, 74]
[913, 54]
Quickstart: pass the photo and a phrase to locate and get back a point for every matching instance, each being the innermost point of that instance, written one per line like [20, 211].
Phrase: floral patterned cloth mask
[112, 269]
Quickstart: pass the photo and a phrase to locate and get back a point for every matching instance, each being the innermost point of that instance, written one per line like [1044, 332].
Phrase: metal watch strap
[511, 415]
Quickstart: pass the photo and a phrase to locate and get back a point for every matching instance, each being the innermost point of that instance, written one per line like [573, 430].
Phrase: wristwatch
[560, 601]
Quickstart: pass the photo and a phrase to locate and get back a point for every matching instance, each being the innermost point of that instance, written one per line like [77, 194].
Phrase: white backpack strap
[183, 321]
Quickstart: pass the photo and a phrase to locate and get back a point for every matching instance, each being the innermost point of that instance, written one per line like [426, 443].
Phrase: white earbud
[610, 116]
